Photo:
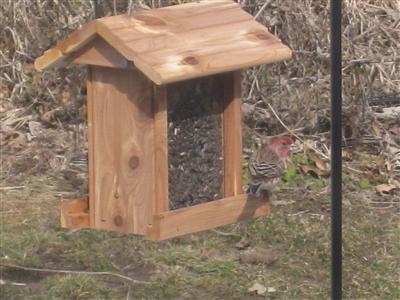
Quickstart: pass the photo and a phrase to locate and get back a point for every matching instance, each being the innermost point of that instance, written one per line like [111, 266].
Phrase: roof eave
[74, 42]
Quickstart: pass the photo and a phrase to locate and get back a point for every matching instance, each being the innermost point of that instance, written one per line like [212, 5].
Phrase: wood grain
[110, 37]
[196, 8]
[152, 22]
[74, 213]
[213, 36]
[124, 149]
[226, 58]
[232, 134]
[206, 216]
[195, 37]
[99, 53]
[91, 148]
[123, 32]
[160, 149]
[75, 41]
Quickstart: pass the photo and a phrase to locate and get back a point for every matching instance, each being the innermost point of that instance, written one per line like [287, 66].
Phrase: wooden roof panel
[180, 42]
[195, 8]
[195, 37]
[186, 66]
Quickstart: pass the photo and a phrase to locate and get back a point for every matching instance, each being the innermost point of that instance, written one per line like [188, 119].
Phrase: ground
[206, 265]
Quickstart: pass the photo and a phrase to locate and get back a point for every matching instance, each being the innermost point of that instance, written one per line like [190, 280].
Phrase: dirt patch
[258, 256]
[21, 276]
[30, 282]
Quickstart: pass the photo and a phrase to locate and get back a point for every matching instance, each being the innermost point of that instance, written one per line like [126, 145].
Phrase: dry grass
[43, 158]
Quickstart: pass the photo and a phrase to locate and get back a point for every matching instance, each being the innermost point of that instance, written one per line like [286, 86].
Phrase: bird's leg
[253, 188]
[265, 191]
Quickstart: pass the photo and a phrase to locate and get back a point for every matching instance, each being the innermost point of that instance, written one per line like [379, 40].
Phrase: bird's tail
[260, 189]
[253, 188]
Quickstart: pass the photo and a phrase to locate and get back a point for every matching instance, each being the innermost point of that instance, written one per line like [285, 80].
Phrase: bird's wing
[265, 170]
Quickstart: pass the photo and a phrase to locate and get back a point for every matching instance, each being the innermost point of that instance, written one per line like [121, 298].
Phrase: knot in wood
[263, 36]
[134, 162]
[191, 60]
[150, 20]
[118, 221]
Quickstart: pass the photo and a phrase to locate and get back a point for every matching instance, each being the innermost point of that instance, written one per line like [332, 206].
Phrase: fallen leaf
[50, 116]
[395, 130]
[271, 290]
[385, 189]
[319, 162]
[258, 289]
[396, 183]
[347, 154]
[310, 171]
[14, 139]
[35, 128]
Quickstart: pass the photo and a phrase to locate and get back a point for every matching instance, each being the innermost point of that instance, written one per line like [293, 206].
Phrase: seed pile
[195, 142]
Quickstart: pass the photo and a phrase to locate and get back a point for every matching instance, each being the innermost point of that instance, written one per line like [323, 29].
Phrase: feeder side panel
[123, 149]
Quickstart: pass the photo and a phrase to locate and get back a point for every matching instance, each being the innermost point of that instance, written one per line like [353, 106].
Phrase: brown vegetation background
[43, 114]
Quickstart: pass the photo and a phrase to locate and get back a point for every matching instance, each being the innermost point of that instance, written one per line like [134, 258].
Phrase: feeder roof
[179, 42]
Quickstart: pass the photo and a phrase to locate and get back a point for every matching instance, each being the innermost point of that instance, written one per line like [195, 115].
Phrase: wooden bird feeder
[156, 80]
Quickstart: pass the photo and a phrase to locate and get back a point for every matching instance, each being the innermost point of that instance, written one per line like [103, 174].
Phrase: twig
[299, 213]
[367, 60]
[134, 281]
[252, 87]
[261, 9]
[225, 233]
[283, 124]
[10, 188]
[352, 169]
[301, 140]
[293, 133]
[385, 202]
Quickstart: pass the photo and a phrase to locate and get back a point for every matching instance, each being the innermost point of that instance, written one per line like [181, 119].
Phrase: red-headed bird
[267, 165]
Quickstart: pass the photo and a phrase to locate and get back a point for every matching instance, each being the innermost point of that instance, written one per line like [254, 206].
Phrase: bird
[267, 165]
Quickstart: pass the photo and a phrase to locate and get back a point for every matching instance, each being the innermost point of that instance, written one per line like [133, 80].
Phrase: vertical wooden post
[232, 134]
[160, 149]
[90, 133]
[123, 127]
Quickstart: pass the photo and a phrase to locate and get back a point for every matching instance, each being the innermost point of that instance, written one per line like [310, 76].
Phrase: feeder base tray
[174, 223]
